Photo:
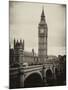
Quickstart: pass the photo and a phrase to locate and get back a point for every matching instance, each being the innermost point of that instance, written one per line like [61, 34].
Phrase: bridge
[35, 75]
[46, 70]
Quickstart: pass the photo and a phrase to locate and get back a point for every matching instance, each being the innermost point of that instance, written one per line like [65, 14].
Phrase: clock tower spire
[42, 15]
[42, 38]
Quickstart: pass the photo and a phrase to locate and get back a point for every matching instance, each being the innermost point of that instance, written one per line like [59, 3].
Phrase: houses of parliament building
[18, 55]
[20, 60]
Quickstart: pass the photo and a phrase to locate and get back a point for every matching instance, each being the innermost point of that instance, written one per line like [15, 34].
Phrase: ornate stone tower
[42, 37]
[18, 52]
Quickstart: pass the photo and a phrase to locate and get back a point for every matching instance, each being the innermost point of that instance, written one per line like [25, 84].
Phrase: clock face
[41, 30]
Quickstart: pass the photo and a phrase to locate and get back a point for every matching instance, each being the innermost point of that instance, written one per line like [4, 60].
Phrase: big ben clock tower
[42, 38]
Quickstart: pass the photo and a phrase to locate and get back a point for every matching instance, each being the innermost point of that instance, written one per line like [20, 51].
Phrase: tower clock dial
[41, 31]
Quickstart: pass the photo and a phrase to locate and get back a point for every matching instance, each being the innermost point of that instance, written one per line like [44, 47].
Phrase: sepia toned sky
[24, 19]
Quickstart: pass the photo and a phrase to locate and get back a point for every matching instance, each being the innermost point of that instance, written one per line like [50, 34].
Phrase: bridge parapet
[22, 73]
[17, 70]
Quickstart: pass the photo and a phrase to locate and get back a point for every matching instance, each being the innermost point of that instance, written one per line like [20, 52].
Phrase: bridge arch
[56, 73]
[49, 76]
[34, 72]
[48, 73]
[33, 79]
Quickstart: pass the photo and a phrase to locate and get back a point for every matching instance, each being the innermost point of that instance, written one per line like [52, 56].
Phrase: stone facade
[18, 55]
[41, 67]
[42, 36]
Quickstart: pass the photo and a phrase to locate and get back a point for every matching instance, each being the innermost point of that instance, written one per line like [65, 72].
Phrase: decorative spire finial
[14, 42]
[43, 7]
[23, 44]
[42, 15]
[20, 40]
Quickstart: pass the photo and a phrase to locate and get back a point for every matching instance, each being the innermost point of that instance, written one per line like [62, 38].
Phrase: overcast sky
[24, 20]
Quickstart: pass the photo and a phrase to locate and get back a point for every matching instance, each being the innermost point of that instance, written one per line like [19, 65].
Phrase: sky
[24, 19]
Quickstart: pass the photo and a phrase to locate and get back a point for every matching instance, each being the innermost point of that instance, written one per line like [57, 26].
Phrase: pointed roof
[42, 21]
[43, 15]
